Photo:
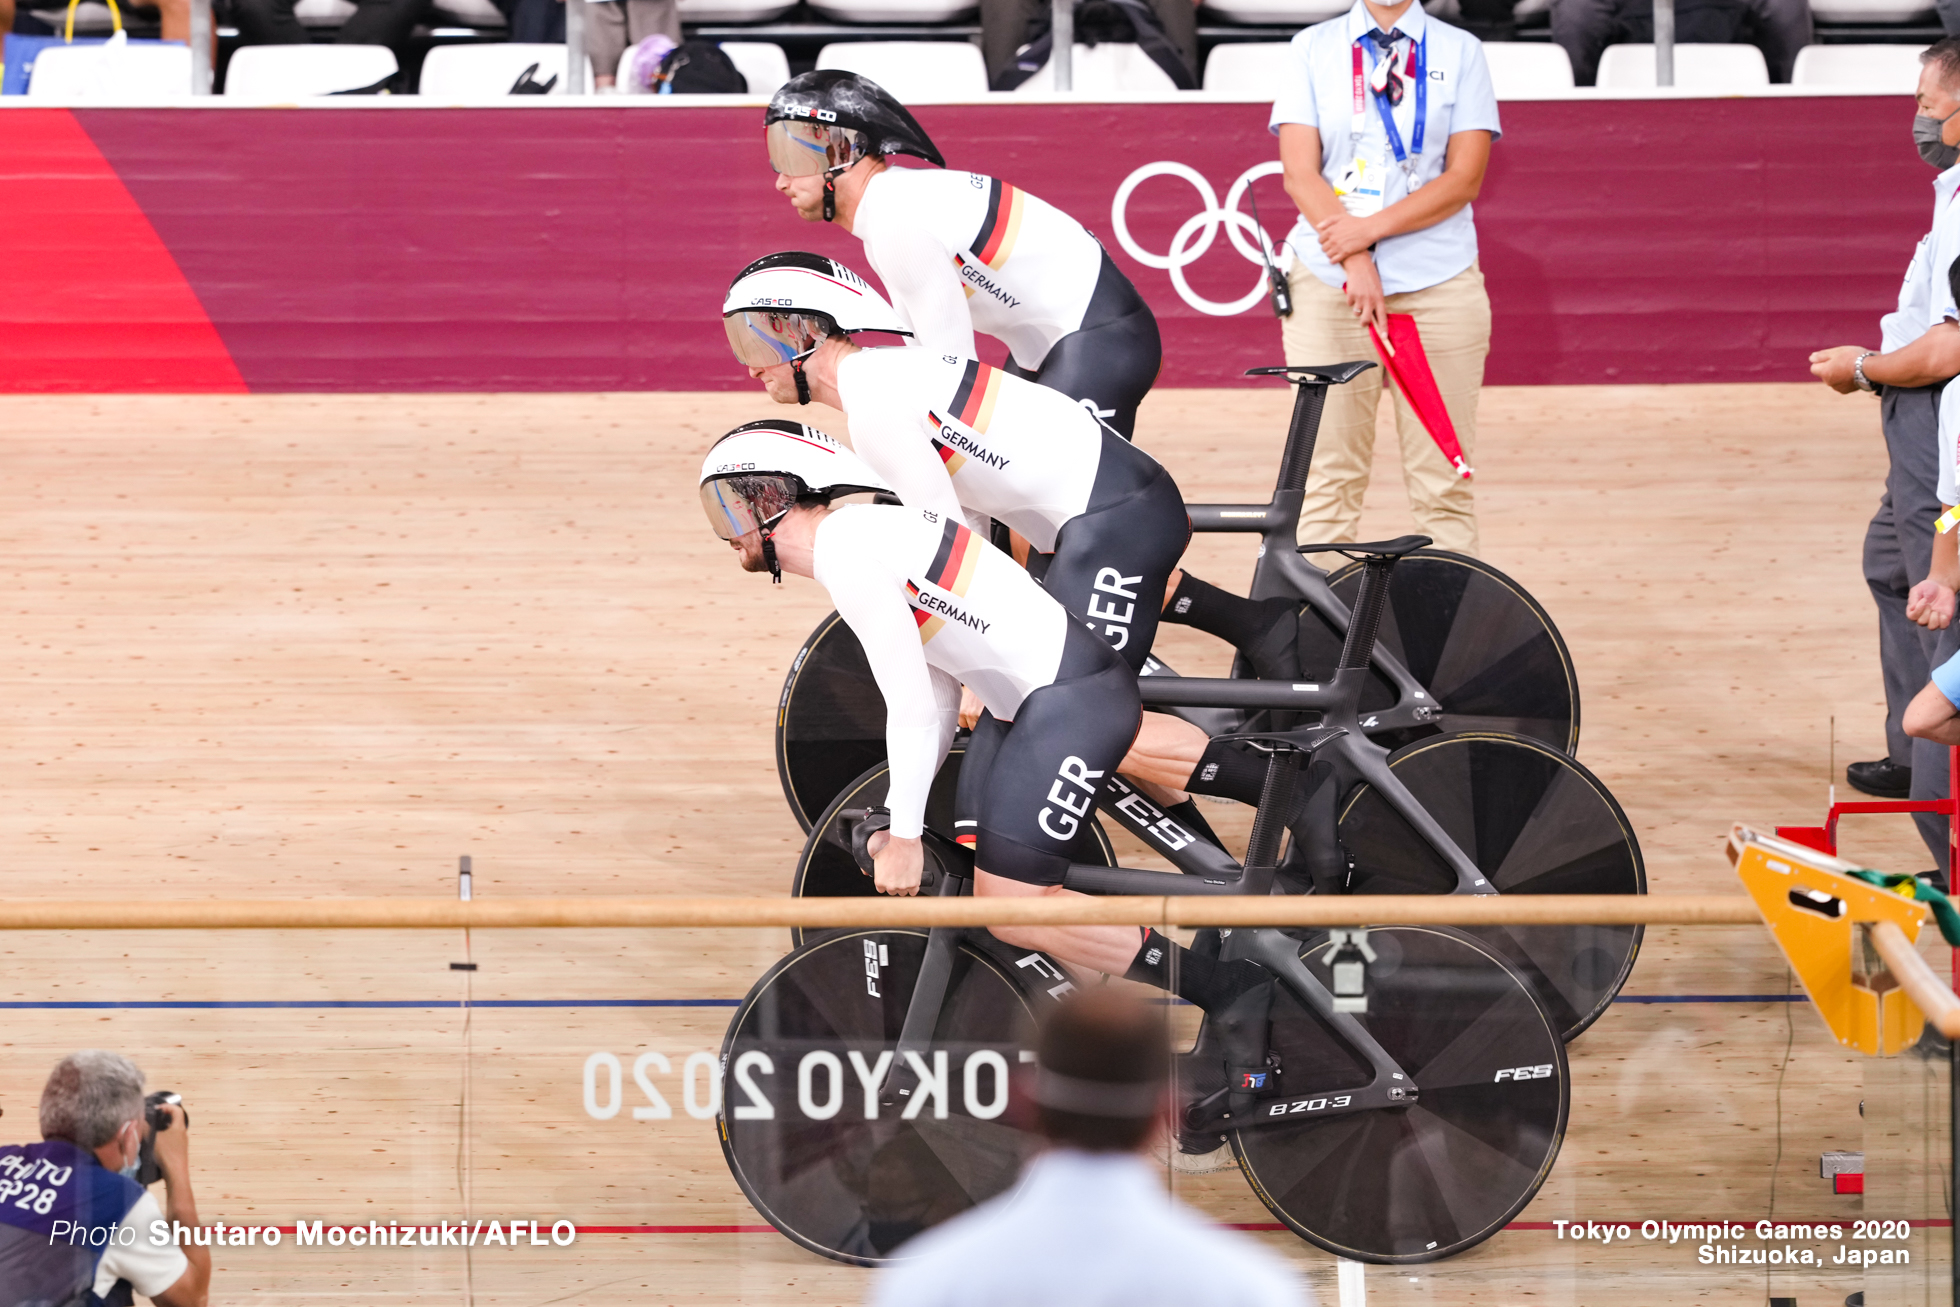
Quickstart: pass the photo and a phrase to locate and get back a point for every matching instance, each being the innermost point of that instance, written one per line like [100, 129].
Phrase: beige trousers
[1454, 318]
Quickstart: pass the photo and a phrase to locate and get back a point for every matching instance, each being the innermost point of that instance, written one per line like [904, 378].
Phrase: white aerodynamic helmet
[782, 306]
[759, 471]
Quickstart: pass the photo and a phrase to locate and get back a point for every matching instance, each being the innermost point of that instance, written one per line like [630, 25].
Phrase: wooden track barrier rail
[817, 913]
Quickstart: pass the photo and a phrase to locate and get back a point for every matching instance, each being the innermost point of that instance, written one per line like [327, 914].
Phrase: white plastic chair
[893, 11]
[278, 73]
[464, 74]
[1111, 68]
[1871, 11]
[916, 72]
[1520, 68]
[734, 11]
[1861, 67]
[479, 14]
[112, 73]
[1715, 69]
[764, 64]
[1254, 69]
[323, 13]
[1302, 13]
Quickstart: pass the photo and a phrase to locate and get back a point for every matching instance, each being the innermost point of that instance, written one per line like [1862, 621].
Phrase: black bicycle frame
[1280, 570]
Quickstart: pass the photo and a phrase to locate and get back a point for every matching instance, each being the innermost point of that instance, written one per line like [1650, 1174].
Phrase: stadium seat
[893, 11]
[277, 73]
[323, 13]
[1712, 69]
[1112, 68]
[1251, 69]
[1522, 68]
[470, 13]
[1871, 11]
[917, 72]
[1292, 12]
[763, 64]
[92, 18]
[1859, 67]
[463, 74]
[734, 11]
[138, 73]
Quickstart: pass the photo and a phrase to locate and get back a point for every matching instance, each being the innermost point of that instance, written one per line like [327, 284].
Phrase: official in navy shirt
[75, 1228]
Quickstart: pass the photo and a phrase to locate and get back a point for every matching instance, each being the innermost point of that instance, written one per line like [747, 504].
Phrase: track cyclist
[961, 252]
[966, 439]
[936, 606]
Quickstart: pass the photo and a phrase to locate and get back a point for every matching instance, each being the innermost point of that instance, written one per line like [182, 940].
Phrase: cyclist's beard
[750, 551]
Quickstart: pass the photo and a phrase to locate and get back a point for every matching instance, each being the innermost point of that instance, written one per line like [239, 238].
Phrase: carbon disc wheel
[1423, 1182]
[1535, 822]
[1479, 644]
[814, 1149]
[826, 869]
[830, 721]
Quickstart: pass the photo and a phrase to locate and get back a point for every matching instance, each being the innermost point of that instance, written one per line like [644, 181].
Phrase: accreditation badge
[1360, 186]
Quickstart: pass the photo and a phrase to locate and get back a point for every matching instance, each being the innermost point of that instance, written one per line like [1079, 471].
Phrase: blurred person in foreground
[75, 1226]
[1091, 1223]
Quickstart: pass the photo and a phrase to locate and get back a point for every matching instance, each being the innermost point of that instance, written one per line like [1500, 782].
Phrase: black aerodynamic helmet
[824, 121]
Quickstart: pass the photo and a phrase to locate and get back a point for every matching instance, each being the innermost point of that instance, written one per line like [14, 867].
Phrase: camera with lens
[147, 1170]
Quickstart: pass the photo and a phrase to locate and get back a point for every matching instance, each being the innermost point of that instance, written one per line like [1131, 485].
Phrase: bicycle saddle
[1395, 548]
[1332, 374]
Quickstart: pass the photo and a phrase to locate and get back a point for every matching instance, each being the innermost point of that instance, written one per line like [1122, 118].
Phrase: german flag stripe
[954, 461]
[928, 626]
[995, 242]
[973, 402]
[957, 561]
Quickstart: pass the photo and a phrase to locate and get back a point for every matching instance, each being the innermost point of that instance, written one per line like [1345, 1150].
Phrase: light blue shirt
[1319, 92]
[1087, 1230]
[1925, 296]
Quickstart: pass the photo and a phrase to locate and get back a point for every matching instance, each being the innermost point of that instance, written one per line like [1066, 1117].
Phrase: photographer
[74, 1222]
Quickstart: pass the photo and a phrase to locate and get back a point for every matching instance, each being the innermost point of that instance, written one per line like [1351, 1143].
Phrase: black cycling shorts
[1112, 560]
[1028, 787]
[1112, 359]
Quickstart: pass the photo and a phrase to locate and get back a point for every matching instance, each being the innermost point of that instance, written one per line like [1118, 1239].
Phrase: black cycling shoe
[1882, 779]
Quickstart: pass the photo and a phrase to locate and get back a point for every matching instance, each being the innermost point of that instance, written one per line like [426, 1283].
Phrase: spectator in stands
[1008, 26]
[174, 16]
[1779, 28]
[1918, 355]
[1090, 1222]
[613, 26]
[1383, 177]
[374, 22]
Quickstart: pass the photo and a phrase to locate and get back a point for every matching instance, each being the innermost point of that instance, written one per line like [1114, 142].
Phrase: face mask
[1926, 135]
[129, 1172]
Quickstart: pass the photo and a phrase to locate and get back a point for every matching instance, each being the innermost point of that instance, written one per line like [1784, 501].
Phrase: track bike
[876, 1078]
[1462, 646]
[1469, 812]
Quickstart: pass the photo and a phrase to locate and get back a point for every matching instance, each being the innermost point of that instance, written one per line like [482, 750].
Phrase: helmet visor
[801, 148]
[737, 505]
[762, 338]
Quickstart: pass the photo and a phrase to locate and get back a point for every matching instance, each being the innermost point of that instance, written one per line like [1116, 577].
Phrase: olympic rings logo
[1200, 230]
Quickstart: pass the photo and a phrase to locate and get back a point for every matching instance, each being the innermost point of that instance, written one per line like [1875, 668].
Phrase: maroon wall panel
[587, 248]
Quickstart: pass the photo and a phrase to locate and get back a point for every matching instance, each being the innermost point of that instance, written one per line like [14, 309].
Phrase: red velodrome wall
[586, 248]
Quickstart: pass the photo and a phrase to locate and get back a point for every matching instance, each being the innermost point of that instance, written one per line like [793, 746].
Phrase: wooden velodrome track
[289, 646]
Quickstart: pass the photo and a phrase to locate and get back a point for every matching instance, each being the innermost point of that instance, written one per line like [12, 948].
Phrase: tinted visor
[801, 148]
[737, 505]
[763, 339]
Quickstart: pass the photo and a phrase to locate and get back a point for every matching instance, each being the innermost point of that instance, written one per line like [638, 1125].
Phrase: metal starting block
[1821, 918]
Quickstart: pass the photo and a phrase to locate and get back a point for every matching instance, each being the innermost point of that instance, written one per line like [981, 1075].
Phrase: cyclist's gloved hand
[901, 863]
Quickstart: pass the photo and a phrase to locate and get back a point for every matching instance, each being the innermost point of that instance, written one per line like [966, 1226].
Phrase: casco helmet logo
[804, 111]
[734, 467]
[773, 301]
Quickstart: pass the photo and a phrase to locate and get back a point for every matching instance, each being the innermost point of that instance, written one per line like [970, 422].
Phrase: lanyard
[1416, 68]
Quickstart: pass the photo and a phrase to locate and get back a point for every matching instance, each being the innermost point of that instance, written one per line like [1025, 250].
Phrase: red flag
[1408, 367]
